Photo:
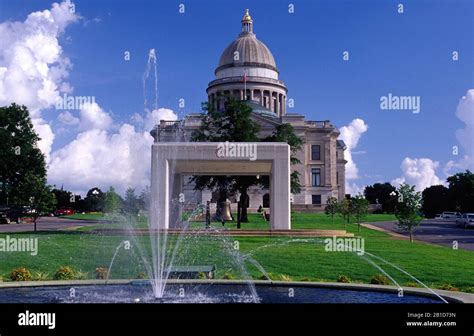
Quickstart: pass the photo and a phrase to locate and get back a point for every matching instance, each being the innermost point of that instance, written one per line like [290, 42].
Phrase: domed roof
[250, 50]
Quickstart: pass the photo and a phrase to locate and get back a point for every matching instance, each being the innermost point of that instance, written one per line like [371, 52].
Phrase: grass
[86, 216]
[283, 258]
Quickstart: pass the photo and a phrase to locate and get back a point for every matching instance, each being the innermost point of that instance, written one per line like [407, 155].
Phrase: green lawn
[298, 259]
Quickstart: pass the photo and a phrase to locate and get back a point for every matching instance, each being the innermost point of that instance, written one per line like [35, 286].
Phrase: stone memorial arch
[173, 160]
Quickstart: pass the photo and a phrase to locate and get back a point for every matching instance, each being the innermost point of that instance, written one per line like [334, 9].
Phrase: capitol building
[247, 71]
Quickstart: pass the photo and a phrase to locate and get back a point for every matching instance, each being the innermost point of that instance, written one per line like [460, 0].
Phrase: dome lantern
[247, 23]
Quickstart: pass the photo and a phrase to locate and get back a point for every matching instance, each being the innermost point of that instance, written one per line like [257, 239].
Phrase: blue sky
[403, 54]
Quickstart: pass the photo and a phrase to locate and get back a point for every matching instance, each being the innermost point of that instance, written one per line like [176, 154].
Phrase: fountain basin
[215, 291]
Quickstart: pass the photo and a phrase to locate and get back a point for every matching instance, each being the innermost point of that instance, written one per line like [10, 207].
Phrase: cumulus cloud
[465, 136]
[68, 119]
[100, 157]
[93, 117]
[351, 134]
[418, 172]
[153, 118]
[32, 66]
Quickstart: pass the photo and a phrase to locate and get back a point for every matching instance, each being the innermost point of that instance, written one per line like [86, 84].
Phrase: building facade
[247, 71]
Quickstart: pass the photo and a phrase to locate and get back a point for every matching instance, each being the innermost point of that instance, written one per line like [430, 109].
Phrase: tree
[20, 158]
[380, 193]
[131, 202]
[144, 199]
[408, 208]
[34, 191]
[234, 124]
[359, 208]
[286, 133]
[63, 198]
[331, 207]
[94, 200]
[344, 209]
[435, 200]
[461, 189]
[112, 201]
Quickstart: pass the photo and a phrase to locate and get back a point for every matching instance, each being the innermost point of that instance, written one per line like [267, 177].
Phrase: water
[139, 292]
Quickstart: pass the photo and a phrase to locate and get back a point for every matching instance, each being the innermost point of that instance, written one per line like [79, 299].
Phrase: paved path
[47, 224]
[435, 231]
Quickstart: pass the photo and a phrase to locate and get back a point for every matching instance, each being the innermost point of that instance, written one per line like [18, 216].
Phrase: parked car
[451, 215]
[438, 216]
[466, 220]
[10, 214]
[64, 212]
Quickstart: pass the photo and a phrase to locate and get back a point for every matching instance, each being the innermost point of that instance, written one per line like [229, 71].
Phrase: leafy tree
[94, 200]
[63, 198]
[234, 124]
[144, 199]
[331, 207]
[461, 189]
[286, 133]
[112, 201]
[435, 199]
[131, 202]
[380, 193]
[359, 209]
[408, 208]
[21, 161]
[34, 191]
[344, 209]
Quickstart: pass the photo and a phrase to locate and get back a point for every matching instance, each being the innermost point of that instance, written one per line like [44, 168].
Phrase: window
[337, 177]
[316, 177]
[316, 199]
[315, 152]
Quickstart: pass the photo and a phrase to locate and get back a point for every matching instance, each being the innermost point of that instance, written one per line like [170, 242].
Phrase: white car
[467, 220]
[451, 215]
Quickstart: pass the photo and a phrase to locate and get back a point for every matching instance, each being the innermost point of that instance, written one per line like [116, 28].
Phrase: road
[46, 224]
[436, 231]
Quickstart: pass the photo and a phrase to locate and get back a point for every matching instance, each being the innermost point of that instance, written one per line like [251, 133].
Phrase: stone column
[280, 192]
[159, 193]
[176, 207]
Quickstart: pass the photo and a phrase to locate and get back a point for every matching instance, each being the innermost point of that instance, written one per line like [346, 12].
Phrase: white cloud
[465, 136]
[32, 66]
[100, 157]
[418, 172]
[67, 118]
[351, 134]
[93, 117]
[153, 118]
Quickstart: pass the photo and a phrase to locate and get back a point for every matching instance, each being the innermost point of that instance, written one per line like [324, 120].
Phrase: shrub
[412, 284]
[101, 272]
[64, 273]
[285, 277]
[228, 276]
[20, 274]
[81, 275]
[40, 276]
[343, 279]
[305, 279]
[141, 275]
[469, 290]
[379, 279]
[448, 287]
